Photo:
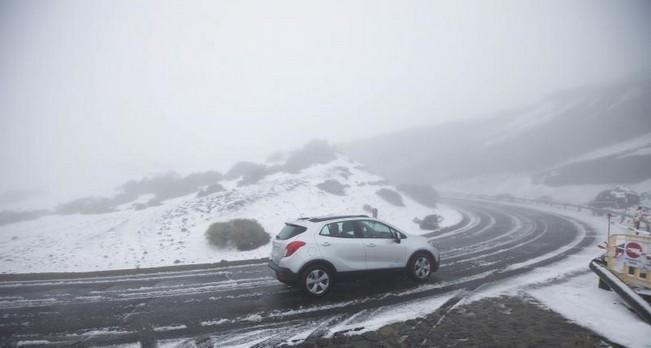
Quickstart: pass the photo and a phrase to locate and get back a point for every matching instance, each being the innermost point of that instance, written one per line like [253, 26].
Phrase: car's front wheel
[420, 267]
[317, 280]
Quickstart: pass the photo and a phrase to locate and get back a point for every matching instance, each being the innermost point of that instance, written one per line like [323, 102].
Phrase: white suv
[311, 252]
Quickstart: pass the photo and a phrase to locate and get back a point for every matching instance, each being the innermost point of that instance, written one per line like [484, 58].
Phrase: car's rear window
[290, 231]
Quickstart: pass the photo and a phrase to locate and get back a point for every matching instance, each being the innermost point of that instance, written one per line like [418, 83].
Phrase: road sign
[633, 250]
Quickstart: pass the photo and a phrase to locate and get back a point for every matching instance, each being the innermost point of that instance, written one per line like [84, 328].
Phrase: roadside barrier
[629, 257]
[634, 301]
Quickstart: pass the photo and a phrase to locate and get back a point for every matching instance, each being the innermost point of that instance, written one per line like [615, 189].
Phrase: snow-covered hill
[595, 136]
[173, 233]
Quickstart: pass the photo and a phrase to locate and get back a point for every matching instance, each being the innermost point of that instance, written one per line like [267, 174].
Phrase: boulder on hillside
[391, 196]
[333, 186]
[620, 197]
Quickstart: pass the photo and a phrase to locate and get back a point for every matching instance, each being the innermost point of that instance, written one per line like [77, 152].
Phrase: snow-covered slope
[593, 135]
[639, 146]
[173, 233]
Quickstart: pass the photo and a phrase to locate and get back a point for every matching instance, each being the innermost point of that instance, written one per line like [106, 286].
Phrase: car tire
[317, 280]
[420, 266]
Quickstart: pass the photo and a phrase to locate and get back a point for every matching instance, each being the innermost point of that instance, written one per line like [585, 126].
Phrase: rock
[371, 336]
[386, 331]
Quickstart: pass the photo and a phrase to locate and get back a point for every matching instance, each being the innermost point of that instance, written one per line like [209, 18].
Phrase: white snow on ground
[580, 301]
[521, 185]
[569, 288]
[174, 233]
[373, 319]
[32, 343]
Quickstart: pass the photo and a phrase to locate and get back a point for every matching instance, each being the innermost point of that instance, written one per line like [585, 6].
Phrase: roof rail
[336, 217]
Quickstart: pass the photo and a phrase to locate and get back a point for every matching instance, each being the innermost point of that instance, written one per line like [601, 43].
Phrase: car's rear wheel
[317, 280]
[420, 267]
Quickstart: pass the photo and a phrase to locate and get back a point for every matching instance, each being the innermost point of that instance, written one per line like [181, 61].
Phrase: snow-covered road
[242, 303]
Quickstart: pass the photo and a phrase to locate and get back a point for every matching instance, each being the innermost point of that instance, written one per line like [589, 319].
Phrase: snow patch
[174, 232]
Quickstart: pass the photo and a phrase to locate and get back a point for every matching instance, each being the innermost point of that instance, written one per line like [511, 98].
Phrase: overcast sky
[96, 92]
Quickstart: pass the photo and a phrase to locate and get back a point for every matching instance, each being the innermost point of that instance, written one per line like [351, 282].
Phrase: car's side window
[398, 233]
[325, 231]
[374, 229]
[343, 229]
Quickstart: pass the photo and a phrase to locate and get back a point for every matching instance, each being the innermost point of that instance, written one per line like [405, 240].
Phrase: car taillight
[292, 247]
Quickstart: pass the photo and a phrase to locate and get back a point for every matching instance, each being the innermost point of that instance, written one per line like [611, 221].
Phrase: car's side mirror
[397, 239]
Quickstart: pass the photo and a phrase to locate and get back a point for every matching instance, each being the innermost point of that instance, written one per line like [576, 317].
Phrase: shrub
[430, 222]
[165, 186]
[618, 198]
[423, 194]
[87, 205]
[9, 217]
[314, 152]
[244, 169]
[243, 234]
[249, 172]
[391, 196]
[139, 206]
[210, 190]
[332, 186]
[203, 178]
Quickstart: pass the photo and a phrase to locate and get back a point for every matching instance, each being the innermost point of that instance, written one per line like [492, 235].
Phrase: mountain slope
[533, 141]
[173, 232]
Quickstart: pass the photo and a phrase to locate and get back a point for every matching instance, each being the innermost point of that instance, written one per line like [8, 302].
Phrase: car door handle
[325, 244]
[371, 244]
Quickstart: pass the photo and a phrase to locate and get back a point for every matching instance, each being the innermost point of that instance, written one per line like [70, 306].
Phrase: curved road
[242, 303]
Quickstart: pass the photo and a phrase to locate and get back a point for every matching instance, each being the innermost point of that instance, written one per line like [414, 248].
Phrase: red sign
[633, 250]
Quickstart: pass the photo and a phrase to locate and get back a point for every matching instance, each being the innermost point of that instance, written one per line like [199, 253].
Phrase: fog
[95, 93]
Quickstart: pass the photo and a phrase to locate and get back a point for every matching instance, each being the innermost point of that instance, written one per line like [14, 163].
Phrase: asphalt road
[242, 303]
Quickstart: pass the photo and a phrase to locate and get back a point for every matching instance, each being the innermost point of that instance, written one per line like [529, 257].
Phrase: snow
[105, 331]
[521, 185]
[214, 322]
[393, 314]
[569, 288]
[32, 343]
[541, 114]
[173, 233]
[169, 328]
[142, 199]
[645, 151]
[623, 149]
[601, 311]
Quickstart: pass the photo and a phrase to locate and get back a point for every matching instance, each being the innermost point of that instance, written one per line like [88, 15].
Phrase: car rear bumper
[283, 274]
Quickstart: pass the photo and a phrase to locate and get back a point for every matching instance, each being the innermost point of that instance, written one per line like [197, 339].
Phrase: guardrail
[629, 257]
[640, 306]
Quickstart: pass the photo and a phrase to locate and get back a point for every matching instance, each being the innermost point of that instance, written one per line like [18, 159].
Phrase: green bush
[243, 234]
